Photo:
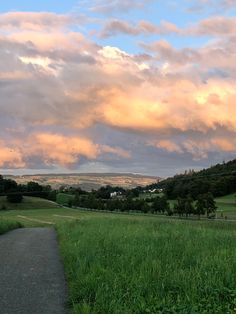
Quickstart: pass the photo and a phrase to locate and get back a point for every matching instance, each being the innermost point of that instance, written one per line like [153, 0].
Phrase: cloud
[169, 146]
[225, 144]
[51, 149]
[213, 26]
[116, 27]
[116, 151]
[35, 21]
[115, 6]
[198, 148]
[212, 5]
[10, 157]
[59, 86]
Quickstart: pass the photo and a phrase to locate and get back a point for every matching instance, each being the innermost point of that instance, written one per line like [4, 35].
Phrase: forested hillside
[218, 180]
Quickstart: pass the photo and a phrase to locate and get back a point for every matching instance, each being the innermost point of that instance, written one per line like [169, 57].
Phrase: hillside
[28, 203]
[219, 180]
[88, 181]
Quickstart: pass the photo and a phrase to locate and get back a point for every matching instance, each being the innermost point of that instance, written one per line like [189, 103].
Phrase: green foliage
[205, 204]
[52, 196]
[219, 180]
[14, 198]
[3, 207]
[210, 204]
[160, 204]
[128, 265]
[200, 208]
[33, 186]
[8, 186]
[64, 198]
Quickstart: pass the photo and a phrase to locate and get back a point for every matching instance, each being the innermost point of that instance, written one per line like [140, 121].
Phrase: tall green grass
[6, 225]
[120, 265]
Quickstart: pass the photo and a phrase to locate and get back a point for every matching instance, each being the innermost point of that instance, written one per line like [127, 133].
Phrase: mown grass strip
[37, 220]
[64, 216]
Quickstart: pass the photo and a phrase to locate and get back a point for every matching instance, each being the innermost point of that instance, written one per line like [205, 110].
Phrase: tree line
[184, 207]
[218, 180]
[15, 192]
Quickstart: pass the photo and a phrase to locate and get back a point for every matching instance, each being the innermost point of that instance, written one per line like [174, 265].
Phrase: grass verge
[6, 225]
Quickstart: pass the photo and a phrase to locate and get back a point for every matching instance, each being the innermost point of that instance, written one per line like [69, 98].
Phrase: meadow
[121, 263]
[226, 206]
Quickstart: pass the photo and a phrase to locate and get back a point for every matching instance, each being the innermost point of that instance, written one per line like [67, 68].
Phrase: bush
[14, 198]
[3, 207]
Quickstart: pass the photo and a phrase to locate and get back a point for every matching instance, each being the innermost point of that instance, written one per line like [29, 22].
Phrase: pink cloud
[53, 149]
[213, 26]
[10, 157]
[115, 27]
[61, 81]
[36, 21]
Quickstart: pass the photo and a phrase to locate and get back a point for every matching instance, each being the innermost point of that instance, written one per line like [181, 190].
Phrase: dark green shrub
[14, 198]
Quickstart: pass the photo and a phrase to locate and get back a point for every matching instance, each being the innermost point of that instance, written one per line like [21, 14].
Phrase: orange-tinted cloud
[10, 157]
[53, 149]
[62, 83]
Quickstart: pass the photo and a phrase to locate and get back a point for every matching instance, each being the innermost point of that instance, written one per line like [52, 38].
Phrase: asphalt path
[31, 273]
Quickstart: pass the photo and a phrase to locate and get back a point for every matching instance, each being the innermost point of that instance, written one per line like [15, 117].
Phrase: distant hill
[220, 180]
[88, 181]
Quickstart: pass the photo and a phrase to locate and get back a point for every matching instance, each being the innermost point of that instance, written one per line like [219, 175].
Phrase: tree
[188, 206]
[179, 207]
[200, 208]
[156, 206]
[145, 208]
[210, 204]
[34, 187]
[52, 195]
[164, 204]
[104, 192]
[8, 185]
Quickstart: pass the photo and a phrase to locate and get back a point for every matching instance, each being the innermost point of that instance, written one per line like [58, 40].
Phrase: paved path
[31, 274]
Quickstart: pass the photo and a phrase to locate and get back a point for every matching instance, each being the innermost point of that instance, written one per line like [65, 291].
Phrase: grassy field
[119, 263]
[27, 203]
[64, 199]
[226, 206]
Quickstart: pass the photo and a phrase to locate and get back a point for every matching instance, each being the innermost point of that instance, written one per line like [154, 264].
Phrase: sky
[141, 86]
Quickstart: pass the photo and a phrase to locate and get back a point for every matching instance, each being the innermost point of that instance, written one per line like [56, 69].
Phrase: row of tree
[204, 205]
